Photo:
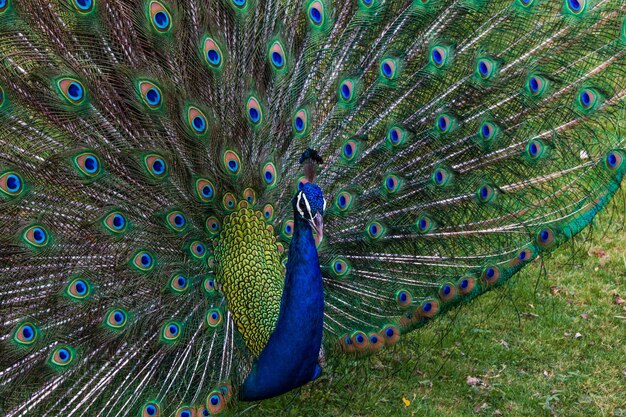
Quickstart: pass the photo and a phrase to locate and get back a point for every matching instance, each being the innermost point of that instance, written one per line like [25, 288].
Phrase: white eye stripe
[298, 204]
[308, 207]
[324, 208]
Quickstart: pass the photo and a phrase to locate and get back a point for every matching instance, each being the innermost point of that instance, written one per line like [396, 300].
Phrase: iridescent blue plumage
[290, 358]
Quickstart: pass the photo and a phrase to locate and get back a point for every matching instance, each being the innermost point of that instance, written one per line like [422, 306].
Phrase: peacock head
[309, 203]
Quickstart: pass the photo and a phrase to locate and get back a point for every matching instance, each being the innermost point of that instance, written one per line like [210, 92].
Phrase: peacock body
[171, 239]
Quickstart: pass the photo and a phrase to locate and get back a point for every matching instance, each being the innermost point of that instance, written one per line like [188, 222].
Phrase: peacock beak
[317, 223]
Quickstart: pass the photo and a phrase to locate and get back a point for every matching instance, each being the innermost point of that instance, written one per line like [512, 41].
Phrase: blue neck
[290, 358]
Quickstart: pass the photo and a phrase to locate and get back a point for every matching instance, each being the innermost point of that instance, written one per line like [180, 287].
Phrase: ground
[551, 341]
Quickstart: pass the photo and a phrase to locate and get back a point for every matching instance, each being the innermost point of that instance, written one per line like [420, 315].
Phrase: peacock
[202, 201]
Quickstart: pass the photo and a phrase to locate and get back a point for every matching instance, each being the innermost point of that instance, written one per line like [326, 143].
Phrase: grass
[551, 341]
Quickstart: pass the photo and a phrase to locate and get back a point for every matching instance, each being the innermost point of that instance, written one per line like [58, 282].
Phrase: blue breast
[290, 358]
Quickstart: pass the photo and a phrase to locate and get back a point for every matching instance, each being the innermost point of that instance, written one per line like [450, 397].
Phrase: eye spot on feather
[185, 412]
[491, 274]
[545, 237]
[536, 85]
[232, 163]
[390, 334]
[349, 150]
[240, 4]
[78, 289]
[198, 249]
[205, 190]
[343, 201]
[156, 166]
[487, 131]
[444, 123]
[288, 229]
[213, 225]
[151, 409]
[197, 120]
[61, 356]
[576, 6]
[375, 230]
[485, 193]
[249, 196]
[403, 298]
[360, 341]
[389, 69]
[226, 391]
[447, 292]
[11, 184]
[143, 261]
[171, 332]
[215, 402]
[268, 212]
[396, 136]
[428, 308]
[535, 149]
[150, 94]
[72, 90]
[439, 56]
[346, 91]
[36, 236]
[485, 68]
[277, 56]
[254, 111]
[301, 181]
[83, 6]
[346, 344]
[160, 17]
[176, 221]
[526, 3]
[209, 285]
[376, 342]
[392, 184]
[116, 319]
[300, 122]
[316, 13]
[214, 317]
[229, 202]
[524, 255]
[424, 224]
[269, 174]
[441, 177]
[115, 222]
[4, 6]
[212, 53]
[588, 99]
[339, 267]
[88, 164]
[179, 283]
[466, 285]
[614, 160]
[26, 334]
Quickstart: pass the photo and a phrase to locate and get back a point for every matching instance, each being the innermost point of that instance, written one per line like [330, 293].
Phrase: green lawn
[552, 341]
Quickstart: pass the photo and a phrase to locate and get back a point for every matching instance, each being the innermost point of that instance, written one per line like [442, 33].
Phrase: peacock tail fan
[149, 157]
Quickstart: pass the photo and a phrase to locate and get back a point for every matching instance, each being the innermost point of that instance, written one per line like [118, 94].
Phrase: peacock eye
[151, 409]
